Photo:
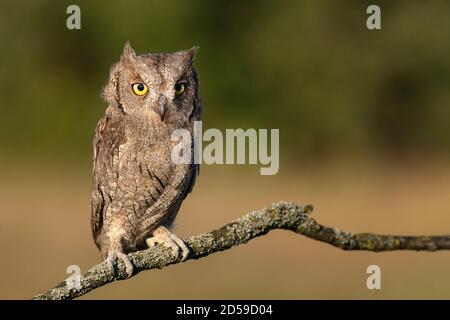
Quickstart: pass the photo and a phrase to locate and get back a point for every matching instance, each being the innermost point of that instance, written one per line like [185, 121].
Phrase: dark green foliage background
[310, 68]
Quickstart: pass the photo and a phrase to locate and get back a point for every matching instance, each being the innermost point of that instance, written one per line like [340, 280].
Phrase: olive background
[364, 119]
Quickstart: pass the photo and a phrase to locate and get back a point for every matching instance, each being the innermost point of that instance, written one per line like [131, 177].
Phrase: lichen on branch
[281, 215]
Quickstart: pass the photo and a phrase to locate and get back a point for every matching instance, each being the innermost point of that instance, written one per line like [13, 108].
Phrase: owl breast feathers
[137, 189]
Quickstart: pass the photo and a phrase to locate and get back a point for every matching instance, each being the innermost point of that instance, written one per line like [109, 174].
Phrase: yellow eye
[139, 89]
[179, 88]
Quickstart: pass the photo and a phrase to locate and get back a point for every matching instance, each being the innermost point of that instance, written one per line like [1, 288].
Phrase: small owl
[137, 189]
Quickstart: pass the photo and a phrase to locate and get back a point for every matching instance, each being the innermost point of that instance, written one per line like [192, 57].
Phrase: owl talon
[163, 236]
[112, 262]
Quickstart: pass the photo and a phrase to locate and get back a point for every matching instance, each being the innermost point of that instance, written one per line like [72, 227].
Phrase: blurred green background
[310, 68]
[364, 136]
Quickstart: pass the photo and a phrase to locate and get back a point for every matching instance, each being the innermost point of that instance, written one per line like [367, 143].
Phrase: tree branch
[282, 215]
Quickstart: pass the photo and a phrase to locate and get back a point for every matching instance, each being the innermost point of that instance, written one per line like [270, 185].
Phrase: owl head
[160, 87]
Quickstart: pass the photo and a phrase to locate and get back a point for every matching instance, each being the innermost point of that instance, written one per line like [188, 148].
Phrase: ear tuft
[128, 52]
[192, 52]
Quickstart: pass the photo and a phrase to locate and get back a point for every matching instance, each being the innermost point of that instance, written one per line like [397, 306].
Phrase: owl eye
[180, 87]
[139, 89]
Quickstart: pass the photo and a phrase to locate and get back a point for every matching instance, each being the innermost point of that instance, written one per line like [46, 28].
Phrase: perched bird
[137, 189]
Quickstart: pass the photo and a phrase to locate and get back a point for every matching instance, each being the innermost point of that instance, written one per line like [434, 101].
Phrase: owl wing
[109, 135]
[196, 172]
[179, 182]
[164, 183]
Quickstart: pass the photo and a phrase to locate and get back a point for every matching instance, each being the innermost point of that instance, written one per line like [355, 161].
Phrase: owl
[137, 188]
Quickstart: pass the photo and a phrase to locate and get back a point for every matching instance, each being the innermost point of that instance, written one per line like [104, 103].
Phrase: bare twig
[282, 215]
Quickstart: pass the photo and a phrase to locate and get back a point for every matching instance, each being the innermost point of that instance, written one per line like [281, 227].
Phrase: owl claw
[165, 237]
[111, 260]
[111, 263]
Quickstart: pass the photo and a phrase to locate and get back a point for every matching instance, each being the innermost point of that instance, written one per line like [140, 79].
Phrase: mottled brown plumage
[137, 189]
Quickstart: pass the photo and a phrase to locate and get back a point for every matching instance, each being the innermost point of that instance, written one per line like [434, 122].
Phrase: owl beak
[161, 108]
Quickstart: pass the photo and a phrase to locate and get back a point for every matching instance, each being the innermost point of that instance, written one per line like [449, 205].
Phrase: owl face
[158, 87]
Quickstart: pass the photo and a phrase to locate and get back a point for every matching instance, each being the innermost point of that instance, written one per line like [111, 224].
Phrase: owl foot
[163, 236]
[113, 255]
